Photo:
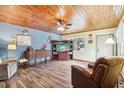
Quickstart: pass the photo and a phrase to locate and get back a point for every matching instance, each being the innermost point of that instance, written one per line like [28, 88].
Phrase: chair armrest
[81, 78]
[81, 70]
[9, 60]
[3, 70]
[3, 64]
[2, 67]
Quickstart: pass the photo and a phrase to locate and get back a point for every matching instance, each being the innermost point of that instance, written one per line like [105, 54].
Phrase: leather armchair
[30, 55]
[7, 70]
[105, 73]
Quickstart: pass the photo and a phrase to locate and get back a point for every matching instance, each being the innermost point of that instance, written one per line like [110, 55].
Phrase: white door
[101, 48]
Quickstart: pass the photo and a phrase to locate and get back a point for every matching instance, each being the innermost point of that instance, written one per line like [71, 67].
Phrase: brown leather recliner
[105, 73]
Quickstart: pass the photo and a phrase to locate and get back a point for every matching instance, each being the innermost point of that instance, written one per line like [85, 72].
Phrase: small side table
[23, 62]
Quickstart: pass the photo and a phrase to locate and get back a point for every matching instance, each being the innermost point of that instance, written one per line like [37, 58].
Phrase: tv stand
[58, 54]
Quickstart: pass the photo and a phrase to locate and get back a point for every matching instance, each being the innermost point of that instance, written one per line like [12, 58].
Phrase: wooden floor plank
[53, 74]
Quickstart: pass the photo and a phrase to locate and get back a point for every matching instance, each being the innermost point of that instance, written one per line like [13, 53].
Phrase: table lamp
[11, 47]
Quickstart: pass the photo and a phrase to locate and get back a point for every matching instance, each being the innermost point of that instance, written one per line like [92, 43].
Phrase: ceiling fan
[62, 25]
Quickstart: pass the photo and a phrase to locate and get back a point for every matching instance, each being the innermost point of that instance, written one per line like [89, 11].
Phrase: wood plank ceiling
[45, 17]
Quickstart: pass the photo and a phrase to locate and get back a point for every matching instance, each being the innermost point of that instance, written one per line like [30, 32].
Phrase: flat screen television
[61, 47]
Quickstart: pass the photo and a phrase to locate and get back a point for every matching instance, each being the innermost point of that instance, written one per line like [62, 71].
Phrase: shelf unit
[63, 55]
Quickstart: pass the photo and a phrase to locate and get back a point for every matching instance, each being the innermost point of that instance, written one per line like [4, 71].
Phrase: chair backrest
[106, 71]
[29, 53]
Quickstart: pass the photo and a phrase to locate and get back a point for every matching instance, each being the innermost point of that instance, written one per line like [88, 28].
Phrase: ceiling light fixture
[58, 23]
[60, 28]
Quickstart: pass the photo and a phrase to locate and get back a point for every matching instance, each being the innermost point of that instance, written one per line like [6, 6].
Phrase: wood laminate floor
[53, 74]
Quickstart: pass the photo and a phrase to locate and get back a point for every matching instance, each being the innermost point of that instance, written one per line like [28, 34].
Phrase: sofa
[105, 74]
[7, 70]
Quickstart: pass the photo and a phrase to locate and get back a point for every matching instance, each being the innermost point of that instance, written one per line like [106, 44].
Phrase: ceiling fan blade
[67, 27]
[68, 24]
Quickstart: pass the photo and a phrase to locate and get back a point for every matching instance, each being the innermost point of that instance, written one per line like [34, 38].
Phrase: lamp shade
[11, 47]
[110, 41]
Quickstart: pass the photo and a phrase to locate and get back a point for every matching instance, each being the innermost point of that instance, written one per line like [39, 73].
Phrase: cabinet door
[63, 56]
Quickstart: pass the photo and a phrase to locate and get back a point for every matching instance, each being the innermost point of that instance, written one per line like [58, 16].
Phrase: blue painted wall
[39, 38]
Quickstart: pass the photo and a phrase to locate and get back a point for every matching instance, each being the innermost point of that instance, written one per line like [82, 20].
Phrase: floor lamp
[112, 40]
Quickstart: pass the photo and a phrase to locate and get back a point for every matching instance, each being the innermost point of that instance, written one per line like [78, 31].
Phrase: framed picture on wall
[79, 43]
[90, 41]
[23, 39]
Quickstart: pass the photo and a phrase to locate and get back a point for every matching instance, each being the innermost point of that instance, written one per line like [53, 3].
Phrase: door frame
[97, 43]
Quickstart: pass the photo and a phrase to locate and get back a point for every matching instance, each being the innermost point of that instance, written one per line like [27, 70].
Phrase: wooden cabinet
[37, 54]
[41, 54]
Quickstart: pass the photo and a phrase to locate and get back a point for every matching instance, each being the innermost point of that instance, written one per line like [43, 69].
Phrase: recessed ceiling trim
[118, 10]
[79, 31]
